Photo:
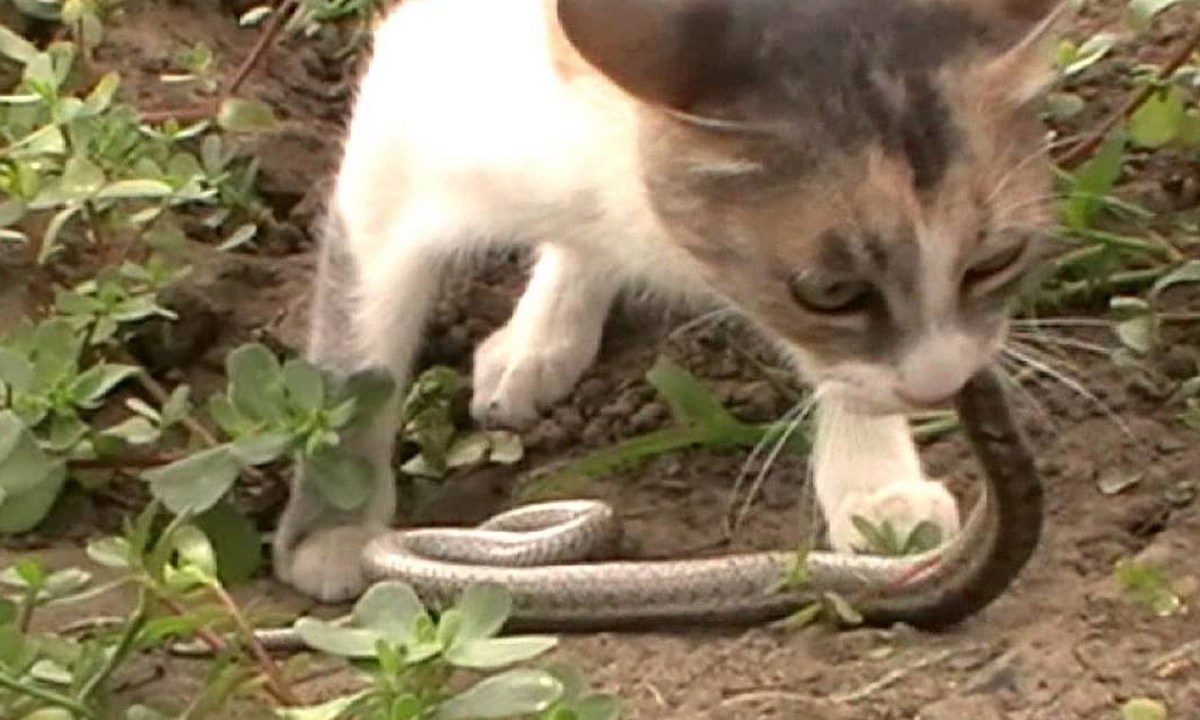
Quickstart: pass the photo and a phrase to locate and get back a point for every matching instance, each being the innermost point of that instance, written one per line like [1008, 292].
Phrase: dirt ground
[1063, 644]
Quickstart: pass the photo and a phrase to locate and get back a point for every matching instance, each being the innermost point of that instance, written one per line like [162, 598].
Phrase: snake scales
[546, 554]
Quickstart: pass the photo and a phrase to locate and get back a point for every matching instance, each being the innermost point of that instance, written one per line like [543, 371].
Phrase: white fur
[464, 135]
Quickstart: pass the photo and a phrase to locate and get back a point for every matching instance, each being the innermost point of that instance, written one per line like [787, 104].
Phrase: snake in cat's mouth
[546, 555]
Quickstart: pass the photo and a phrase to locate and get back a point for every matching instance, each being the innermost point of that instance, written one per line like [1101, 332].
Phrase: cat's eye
[996, 263]
[826, 295]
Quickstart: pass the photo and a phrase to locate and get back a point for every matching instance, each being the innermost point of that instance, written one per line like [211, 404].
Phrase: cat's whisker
[1025, 357]
[1062, 341]
[1015, 378]
[755, 452]
[803, 409]
[1040, 153]
[1062, 322]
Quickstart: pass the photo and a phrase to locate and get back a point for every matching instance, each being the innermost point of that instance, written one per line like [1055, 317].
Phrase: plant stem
[282, 12]
[47, 696]
[124, 644]
[1082, 289]
[281, 690]
[1082, 151]
[126, 462]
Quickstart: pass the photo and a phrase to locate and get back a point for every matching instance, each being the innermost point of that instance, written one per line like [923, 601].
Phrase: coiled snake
[546, 555]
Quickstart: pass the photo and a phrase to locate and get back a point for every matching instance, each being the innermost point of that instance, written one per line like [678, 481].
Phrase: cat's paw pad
[513, 382]
[890, 515]
[327, 565]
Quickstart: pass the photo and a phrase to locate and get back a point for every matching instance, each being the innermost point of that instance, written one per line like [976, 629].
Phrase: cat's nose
[928, 402]
[935, 371]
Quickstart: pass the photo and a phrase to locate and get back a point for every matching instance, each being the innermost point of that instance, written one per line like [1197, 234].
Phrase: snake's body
[552, 557]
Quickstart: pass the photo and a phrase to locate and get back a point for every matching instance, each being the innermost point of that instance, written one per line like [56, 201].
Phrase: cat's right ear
[670, 53]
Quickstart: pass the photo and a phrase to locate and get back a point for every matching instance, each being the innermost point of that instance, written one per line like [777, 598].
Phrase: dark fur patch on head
[827, 76]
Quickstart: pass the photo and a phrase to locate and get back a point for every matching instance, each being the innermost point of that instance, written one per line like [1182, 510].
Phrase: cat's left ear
[1024, 69]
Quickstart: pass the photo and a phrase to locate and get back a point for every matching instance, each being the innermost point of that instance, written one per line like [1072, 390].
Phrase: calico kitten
[862, 179]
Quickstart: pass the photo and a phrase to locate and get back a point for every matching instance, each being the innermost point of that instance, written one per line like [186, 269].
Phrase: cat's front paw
[902, 506]
[327, 565]
[514, 381]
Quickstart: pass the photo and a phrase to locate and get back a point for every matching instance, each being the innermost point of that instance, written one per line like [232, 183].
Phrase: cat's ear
[1024, 69]
[669, 53]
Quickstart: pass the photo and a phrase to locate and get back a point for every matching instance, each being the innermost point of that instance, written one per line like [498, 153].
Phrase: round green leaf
[235, 541]
[197, 482]
[245, 115]
[304, 384]
[1158, 121]
[489, 653]
[344, 479]
[484, 608]
[1143, 709]
[513, 693]
[352, 642]
[390, 609]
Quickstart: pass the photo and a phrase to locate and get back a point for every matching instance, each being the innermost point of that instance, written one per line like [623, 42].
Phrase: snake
[556, 558]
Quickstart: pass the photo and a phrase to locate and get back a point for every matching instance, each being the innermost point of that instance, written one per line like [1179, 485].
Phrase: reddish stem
[1086, 147]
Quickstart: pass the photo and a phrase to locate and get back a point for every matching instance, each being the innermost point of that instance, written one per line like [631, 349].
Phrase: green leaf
[344, 479]
[1143, 11]
[1158, 121]
[349, 642]
[691, 403]
[262, 449]
[1087, 54]
[513, 693]
[246, 115]
[195, 483]
[392, 610]
[235, 540]
[1189, 129]
[1140, 334]
[467, 450]
[304, 384]
[1093, 181]
[1148, 587]
[30, 480]
[136, 430]
[924, 536]
[101, 96]
[255, 382]
[506, 447]
[239, 237]
[332, 710]
[1143, 709]
[595, 707]
[81, 179]
[484, 608]
[15, 370]
[135, 190]
[843, 610]
[1189, 272]
[113, 551]
[54, 228]
[193, 548]
[15, 47]
[89, 388]
[489, 653]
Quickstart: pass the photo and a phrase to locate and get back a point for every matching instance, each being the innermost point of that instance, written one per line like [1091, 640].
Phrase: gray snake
[546, 555]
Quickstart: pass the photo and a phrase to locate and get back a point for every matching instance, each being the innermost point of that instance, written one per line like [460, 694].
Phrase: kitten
[862, 179]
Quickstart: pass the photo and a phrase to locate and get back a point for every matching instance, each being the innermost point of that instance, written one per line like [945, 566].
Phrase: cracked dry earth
[1064, 643]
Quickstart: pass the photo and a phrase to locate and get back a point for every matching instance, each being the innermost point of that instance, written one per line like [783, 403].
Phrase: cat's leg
[868, 466]
[550, 340]
[365, 315]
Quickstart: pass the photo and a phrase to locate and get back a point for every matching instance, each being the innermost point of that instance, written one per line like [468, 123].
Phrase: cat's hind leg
[550, 340]
[867, 466]
[368, 313]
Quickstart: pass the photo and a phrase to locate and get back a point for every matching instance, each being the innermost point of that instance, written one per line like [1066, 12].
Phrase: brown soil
[1063, 644]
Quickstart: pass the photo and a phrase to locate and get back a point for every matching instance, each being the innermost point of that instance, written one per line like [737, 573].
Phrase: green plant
[406, 659]
[1148, 587]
